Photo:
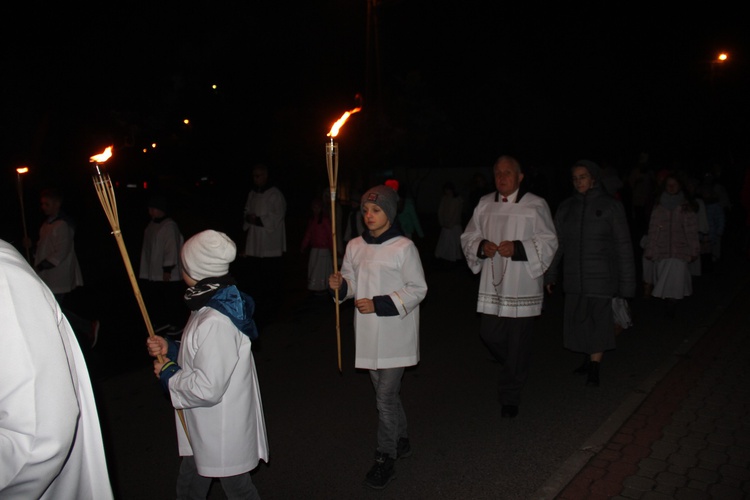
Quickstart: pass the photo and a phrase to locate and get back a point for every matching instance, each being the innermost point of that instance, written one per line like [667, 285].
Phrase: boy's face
[155, 213]
[187, 279]
[375, 219]
[260, 177]
[50, 206]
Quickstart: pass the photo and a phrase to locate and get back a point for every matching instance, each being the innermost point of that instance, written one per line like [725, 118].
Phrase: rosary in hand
[492, 265]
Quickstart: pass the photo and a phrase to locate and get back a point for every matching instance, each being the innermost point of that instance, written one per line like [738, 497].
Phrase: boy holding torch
[211, 375]
[383, 273]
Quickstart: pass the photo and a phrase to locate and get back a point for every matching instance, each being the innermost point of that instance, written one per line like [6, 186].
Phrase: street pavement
[671, 418]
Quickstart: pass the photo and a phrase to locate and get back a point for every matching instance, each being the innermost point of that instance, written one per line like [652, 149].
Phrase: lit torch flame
[340, 122]
[103, 156]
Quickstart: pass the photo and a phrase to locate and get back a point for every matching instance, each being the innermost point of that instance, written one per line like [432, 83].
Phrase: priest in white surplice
[50, 441]
[511, 241]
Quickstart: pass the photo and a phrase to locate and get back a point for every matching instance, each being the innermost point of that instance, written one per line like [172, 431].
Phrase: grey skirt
[588, 324]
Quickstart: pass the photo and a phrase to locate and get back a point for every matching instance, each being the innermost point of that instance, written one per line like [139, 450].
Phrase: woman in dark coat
[597, 260]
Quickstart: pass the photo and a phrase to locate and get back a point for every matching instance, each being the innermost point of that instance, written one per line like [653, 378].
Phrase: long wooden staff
[106, 193]
[332, 162]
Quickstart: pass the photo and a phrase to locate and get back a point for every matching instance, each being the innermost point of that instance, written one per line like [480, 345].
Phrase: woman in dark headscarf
[595, 248]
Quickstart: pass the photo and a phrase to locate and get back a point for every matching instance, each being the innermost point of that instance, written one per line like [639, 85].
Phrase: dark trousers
[193, 486]
[509, 340]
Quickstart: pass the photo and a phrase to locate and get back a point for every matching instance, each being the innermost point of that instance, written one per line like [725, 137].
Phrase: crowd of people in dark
[601, 236]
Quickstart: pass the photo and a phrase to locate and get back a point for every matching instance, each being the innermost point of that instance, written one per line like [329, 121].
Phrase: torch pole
[332, 162]
[106, 193]
[23, 218]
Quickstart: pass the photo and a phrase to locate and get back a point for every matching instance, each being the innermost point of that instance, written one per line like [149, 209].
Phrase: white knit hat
[208, 254]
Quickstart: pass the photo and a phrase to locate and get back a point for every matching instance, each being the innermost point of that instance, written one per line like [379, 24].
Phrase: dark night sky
[459, 83]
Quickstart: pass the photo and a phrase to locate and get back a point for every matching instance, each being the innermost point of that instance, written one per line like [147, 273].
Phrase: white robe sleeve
[414, 290]
[541, 247]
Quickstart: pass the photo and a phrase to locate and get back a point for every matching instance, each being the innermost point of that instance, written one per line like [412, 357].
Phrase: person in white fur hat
[211, 375]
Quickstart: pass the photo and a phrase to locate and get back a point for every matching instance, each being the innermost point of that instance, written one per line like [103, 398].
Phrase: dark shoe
[509, 411]
[593, 379]
[584, 368]
[381, 473]
[403, 448]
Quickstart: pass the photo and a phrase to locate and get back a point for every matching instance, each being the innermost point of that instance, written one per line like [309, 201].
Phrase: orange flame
[340, 122]
[22, 170]
[102, 157]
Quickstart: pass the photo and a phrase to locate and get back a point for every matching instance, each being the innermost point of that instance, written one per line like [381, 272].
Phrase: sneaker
[94, 334]
[381, 473]
[403, 448]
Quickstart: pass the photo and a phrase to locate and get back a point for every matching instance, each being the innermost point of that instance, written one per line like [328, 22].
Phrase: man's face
[50, 206]
[260, 177]
[507, 179]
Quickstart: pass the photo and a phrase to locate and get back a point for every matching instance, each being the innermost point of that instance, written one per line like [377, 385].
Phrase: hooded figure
[594, 243]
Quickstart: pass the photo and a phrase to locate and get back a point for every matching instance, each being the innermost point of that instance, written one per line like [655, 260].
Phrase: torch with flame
[332, 162]
[106, 193]
[20, 171]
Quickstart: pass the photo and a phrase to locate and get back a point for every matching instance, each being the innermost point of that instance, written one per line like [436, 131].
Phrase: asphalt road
[322, 423]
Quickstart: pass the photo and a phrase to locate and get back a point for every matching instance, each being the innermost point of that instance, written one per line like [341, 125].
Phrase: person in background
[596, 255]
[210, 375]
[160, 270]
[407, 217]
[383, 273]
[56, 262]
[265, 223]
[50, 440]
[672, 243]
[318, 239]
[355, 226]
[449, 214]
[511, 241]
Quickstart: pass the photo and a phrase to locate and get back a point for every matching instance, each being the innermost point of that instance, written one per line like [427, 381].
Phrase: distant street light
[721, 58]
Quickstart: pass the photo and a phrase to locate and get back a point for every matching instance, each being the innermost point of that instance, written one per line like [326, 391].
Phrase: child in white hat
[211, 375]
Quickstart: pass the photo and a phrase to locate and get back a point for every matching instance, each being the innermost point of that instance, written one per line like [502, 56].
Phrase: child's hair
[51, 194]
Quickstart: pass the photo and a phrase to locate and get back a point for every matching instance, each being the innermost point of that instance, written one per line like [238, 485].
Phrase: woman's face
[582, 179]
[672, 186]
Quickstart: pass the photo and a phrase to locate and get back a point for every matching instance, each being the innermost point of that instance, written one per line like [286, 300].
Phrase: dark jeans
[391, 416]
[193, 486]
